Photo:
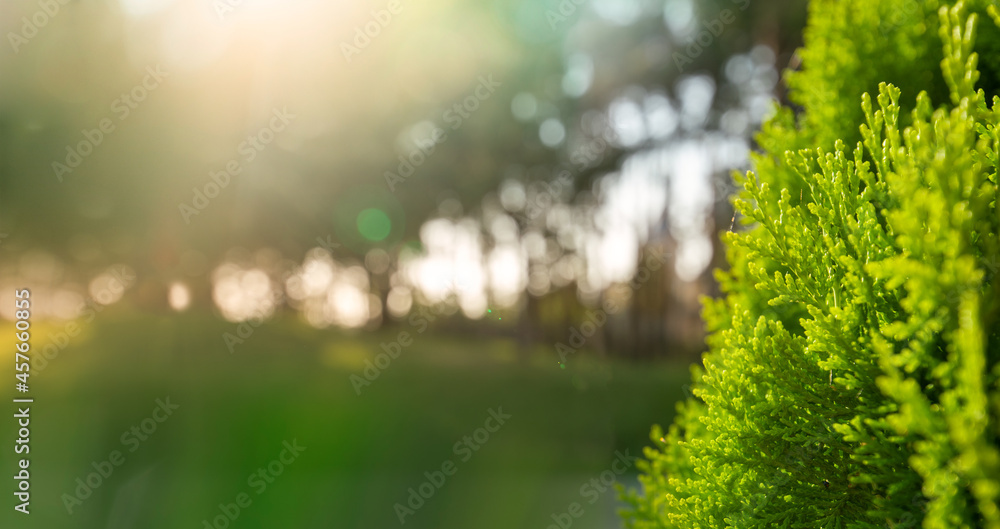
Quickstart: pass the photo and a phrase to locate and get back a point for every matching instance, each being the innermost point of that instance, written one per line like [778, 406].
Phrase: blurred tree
[559, 77]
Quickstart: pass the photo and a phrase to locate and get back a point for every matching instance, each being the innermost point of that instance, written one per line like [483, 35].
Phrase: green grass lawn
[289, 382]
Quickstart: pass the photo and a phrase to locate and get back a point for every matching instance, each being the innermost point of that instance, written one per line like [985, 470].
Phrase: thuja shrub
[853, 372]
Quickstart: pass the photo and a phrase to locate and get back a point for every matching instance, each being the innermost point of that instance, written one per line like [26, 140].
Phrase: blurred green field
[289, 382]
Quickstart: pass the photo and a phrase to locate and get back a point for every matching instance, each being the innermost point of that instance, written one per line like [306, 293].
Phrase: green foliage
[853, 372]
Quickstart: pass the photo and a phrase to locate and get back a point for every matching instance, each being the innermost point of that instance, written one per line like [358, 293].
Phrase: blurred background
[363, 226]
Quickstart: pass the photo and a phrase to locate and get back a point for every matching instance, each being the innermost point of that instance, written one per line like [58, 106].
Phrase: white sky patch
[632, 201]
[690, 207]
[621, 12]
[693, 256]
[661, 118]
[508, 273]
[346, 305]
[627, 122]
[178, 296]
[679, 16]
[696, 94]
[453, 268]
[242, 294]
[579, 75]
[331, 293]
[552, 132]
[613, 256]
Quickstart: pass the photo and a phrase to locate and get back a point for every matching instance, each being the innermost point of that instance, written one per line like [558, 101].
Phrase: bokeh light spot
[374, 224]
[552, 132]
